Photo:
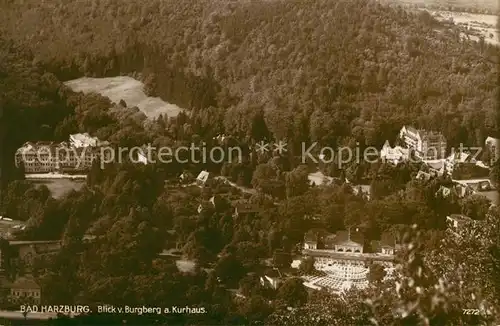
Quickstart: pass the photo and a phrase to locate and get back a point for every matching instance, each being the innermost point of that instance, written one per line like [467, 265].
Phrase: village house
[455, 158]
[272, 278]
[24, 253]
[437, 168]
[203, 179]
[423, 176]
[25, 288]
[311, 239]
[457, 223]
[427, 145]
[395, 154]
[387, 245]
[341, 241]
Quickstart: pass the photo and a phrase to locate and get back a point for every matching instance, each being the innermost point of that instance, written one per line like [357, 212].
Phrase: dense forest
[302, 70]
[336, 72]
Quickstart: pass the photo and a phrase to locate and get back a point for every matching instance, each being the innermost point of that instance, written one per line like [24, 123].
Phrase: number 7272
[470, 311]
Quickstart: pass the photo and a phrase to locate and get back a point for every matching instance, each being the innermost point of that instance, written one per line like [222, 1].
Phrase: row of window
[34, 294]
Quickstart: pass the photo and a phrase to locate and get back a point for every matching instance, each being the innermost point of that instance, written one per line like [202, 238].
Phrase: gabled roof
[25, 283]
[387, 241]
[410, 129]
[343, 238]
[436, 165]
[203, 176]
[274, 273]
[444, 191]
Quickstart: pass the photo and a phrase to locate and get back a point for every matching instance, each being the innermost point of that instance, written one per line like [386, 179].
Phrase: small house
[26, 288]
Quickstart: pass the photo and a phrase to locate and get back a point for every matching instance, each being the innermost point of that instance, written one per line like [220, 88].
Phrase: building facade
[395, 154]
[46, 157]
[428, 145]
[26, 288]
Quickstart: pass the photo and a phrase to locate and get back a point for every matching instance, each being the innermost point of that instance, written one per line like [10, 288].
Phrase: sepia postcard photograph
[250, 162]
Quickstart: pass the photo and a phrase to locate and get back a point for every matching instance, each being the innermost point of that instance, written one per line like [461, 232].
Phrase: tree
[229, 269]
[255, 309]
[249, 284]
[376, 273]
[151, 85]
[297, 181]
[475, 206]
[307, 266]
[292, 292]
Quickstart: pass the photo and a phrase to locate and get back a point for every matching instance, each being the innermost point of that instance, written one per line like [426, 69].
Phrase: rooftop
[203, 176]
[355, 238]
[83, 140]
[274, 273]
[459, 217]
[25, 283]
[422, 132]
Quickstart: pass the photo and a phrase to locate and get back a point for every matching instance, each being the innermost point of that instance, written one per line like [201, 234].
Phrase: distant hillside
[327, 71]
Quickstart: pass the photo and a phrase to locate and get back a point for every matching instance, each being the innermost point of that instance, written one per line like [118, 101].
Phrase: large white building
[45, 157]
[428, 145]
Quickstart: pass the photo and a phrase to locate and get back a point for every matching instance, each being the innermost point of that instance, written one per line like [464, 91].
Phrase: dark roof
[436, 165]
[274, 273]
[411, 129]
[388, 239]
[330, 239]
[315, 234]
[342, 237]
[25, 283]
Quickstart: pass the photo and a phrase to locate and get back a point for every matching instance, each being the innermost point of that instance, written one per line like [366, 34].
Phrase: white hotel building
[428, 145]
[45, 157]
